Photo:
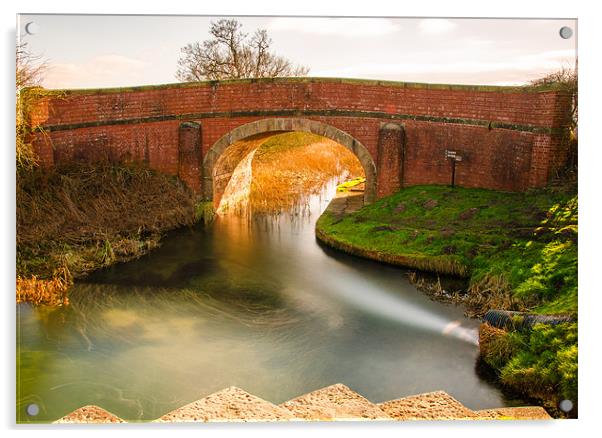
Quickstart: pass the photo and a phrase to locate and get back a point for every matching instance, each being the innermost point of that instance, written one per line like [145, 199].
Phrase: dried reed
[79, 218]
[283, 176]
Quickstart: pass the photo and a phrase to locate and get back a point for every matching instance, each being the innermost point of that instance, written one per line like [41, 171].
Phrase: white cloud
[346, 27]
[436, 26]
[528, 66]
[99, 71]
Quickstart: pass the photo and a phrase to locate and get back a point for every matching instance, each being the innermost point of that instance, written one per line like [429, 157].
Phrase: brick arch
[276, 125]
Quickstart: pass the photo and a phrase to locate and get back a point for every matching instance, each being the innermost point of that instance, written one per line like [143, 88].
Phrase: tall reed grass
[289, 167]
[76, 219]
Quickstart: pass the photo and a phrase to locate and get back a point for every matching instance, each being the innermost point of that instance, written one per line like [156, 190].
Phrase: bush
[543, 359]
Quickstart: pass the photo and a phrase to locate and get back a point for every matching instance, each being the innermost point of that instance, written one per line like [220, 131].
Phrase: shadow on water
[252, 303]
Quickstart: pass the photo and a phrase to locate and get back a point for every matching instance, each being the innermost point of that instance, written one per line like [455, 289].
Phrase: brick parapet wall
[509, 137]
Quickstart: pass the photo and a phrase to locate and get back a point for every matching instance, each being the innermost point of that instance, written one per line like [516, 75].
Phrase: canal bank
[517, 250]
[73, 220]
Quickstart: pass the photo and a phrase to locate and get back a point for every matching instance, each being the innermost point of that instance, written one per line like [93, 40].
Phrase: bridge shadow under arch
[281, 125]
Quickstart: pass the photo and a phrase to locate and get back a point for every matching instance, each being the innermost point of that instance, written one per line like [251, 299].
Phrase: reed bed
[289, 167]
[76, 219]
[52, 292]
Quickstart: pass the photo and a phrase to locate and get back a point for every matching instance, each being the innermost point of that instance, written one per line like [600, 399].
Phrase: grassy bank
[518, 251]
[76, 219]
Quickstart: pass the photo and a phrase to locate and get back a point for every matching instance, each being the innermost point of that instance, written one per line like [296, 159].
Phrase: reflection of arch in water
[214, 164]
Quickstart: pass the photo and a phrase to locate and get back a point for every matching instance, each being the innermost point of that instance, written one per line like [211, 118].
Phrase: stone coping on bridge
[333, 403]
[308, 80]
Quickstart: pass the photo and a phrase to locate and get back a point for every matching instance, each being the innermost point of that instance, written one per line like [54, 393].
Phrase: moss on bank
[517, 250]
[522, 244]
[76, 219]
[541, 363]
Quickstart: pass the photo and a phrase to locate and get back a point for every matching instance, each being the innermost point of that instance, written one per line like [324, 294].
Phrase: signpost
[454, 158]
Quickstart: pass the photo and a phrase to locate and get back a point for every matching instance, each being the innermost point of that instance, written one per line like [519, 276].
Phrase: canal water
[255, 303]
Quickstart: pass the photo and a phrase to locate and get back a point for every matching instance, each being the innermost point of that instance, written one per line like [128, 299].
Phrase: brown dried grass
[76, 219]
[496, 346]
[283, 176]
[36, 290]
[492, 292]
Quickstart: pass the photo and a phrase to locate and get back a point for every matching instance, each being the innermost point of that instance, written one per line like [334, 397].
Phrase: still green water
[257, 304]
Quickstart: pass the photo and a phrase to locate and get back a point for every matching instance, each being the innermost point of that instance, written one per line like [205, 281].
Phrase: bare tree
[29, 72]
[232, 54]
[29, 67]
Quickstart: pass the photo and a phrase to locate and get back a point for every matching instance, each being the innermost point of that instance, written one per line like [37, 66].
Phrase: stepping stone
[231, 404]
[90, 414]
[436, 405]
[336, 402]
[517, 413]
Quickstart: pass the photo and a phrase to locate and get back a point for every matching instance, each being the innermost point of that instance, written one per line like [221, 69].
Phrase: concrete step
[335, 402]
[230, 404]
[517, 413]
[346, 203]
[437, 405]
[90, 414]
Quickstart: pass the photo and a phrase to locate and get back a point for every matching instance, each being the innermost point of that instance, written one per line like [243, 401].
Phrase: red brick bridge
[510, 138]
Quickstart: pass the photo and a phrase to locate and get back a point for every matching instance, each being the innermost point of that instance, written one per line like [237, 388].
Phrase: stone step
[335, 402]
[437, 405]
[230, 404]
[90, 414]
[516, 413]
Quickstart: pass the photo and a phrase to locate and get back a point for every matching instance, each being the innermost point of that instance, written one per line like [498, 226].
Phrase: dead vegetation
[76, 219]
[494, 343]
[492, 292]
[51, 292]
[291, 166]
[29, 72]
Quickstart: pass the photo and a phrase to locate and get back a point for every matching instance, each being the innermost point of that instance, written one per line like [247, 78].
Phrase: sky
[92, 51]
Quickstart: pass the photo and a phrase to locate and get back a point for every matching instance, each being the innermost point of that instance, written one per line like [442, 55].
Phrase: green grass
[545, 359]
[528, 240]
[204, 212]
[518, 251]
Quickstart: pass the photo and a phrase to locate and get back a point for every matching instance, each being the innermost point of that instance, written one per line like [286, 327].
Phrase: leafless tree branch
[232, 54]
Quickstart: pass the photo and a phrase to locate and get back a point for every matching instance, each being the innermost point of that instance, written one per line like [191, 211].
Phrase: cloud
[99, 71]
[435, 26]
[345, 27]
[527, 67]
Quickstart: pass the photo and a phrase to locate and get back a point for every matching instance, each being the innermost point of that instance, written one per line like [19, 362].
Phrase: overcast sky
[87, 51]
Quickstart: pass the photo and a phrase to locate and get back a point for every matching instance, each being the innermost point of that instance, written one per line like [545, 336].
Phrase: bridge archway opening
[228, 162]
